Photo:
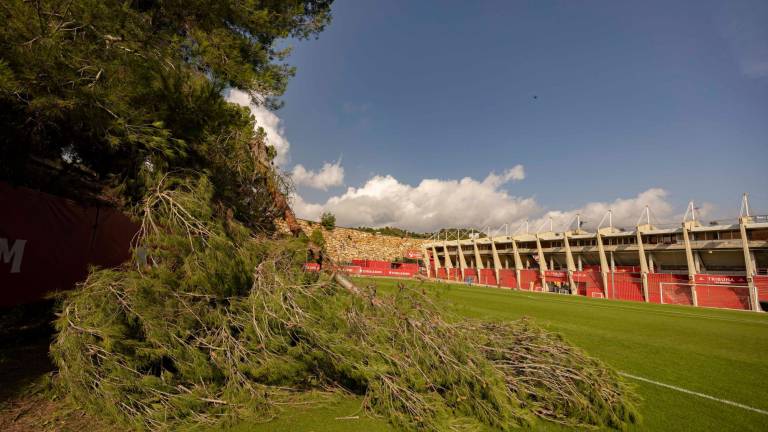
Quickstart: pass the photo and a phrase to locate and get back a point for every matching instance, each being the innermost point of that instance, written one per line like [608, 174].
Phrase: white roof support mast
[690, 210]
[744, 212]
[609, 215]
[647, 215]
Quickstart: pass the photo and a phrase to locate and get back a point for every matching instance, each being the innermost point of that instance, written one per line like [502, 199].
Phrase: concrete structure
[715, 265]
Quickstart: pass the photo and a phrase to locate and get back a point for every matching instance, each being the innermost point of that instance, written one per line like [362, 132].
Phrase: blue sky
[629, 96]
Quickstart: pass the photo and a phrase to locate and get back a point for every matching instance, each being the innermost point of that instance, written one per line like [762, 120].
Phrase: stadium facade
[717, 265]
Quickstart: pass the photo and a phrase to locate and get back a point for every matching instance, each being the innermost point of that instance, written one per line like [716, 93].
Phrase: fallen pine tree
[212, 323]
[214, 319]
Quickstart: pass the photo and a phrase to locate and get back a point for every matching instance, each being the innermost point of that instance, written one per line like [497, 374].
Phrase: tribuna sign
[719, 279]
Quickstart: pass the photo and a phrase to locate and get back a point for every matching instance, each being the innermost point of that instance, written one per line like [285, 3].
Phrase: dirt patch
[39, 413]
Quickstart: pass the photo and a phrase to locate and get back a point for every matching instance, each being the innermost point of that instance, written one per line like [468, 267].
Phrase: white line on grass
[691, 392]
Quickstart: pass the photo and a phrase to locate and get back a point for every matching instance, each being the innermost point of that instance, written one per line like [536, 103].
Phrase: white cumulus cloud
[265, 119]
[304, 209]
[331, 174]
[439, 203]
[432, 204]
[625, 212]
[383, 200]
[515, 173]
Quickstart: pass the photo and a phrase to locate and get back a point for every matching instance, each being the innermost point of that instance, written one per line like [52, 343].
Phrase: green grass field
[720, 353]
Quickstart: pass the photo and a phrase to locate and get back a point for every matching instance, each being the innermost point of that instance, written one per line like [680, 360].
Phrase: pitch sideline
[691, 392]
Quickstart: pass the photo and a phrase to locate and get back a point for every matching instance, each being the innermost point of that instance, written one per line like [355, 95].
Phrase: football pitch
[695, 369]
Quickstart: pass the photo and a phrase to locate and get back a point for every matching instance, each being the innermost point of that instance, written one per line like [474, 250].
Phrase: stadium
[717, 265]
[383, 216]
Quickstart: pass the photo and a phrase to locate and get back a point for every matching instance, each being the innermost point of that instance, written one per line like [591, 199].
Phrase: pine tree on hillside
[328, 220]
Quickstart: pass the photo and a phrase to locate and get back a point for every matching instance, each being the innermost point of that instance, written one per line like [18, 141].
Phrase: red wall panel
[371, 271]
[626, 286]
[507, 278]
[556, 276]
[722, 291]
[351, 269]
[487, 277]
[454, 274]
[590, 282]
[761, 282]
[723, 296]
[529, 280]
[627, 269]
[656, 279]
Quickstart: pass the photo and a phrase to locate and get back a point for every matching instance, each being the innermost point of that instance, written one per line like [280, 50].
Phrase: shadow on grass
[25, 337]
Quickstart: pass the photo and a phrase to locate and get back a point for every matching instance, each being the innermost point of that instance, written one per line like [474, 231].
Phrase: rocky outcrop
[344, 244]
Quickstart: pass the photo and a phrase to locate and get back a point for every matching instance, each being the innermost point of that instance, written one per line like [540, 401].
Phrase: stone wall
[345, 244]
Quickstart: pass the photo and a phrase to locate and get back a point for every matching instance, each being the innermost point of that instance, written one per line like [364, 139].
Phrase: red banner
[414, 254]
[720, 279]
[580, 276]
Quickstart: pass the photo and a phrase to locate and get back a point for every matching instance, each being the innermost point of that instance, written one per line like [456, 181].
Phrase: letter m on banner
[12, 255]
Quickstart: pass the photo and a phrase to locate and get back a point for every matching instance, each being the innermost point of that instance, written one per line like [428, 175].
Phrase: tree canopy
[122, 88]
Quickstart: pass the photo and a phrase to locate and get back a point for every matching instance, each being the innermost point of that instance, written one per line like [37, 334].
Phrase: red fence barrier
[48, 242]
[371, 263]
[712, 290]
[371, 271]
[375, 268]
